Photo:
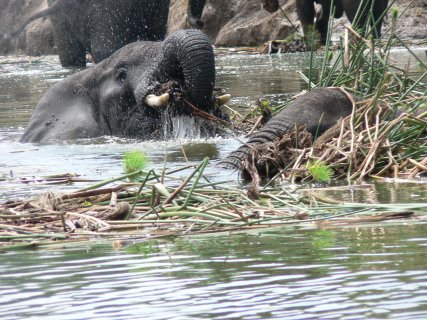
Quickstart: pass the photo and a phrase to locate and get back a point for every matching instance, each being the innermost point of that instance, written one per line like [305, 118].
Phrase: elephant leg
[359, 13]
[322, 27]
[322, 22]
[379, 7]
[105, 41]
[155, 20]
[72, 52]
[306, 13]
[108, 28]
[195, 10]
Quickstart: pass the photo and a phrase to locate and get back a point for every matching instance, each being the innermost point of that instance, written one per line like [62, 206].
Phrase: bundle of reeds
[161, 204]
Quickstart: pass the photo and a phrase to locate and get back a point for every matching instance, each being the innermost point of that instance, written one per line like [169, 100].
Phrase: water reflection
[361, 273]
[378, 192]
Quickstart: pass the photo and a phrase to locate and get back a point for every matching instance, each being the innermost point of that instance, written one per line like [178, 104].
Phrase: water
[359, 272]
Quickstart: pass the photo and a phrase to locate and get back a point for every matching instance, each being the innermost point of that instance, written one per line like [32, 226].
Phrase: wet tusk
[223, 99]
[157, 101]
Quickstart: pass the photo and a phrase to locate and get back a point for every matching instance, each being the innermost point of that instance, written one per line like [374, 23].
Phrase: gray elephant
[307, 14]
[117, 96]
[100, 27]
[317, 110]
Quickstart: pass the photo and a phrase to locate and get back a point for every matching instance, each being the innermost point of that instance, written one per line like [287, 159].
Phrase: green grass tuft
[320, 171]
[134, 160]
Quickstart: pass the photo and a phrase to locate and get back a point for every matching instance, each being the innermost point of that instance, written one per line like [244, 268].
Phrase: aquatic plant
[320, 171]
[134, 160]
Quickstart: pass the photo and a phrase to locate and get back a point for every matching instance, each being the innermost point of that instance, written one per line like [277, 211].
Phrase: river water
[357, 272]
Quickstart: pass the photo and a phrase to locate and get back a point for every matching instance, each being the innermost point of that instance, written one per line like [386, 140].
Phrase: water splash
[182, 127]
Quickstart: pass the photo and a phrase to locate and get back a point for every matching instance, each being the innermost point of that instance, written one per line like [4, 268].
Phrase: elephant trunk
[316, 110]
[188, 54]
[273, 130]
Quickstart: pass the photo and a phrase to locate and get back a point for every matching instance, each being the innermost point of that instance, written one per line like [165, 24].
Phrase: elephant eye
[79, 90]
[121, 75]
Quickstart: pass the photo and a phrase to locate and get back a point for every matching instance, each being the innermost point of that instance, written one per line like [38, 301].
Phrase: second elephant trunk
[317, 110]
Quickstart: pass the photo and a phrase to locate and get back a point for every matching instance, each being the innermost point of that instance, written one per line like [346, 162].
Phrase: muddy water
[364, 272]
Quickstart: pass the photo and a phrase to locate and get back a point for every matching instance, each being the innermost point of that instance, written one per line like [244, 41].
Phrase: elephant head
[317, 110]
[115, 97]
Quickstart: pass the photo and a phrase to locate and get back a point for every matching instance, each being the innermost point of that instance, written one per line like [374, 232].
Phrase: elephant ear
[63, 113]
[191, 55]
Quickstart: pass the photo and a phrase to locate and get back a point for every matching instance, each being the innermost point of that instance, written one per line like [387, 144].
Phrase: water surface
[355, 273]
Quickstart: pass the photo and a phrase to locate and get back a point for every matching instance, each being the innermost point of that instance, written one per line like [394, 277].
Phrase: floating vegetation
[161, 204]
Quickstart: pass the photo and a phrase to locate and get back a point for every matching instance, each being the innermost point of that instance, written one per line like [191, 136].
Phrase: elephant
[307, 13]
[118, 95]
[317, 110]
[100, 27]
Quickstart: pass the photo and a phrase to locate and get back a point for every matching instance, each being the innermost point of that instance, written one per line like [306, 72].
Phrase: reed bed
[164, 205]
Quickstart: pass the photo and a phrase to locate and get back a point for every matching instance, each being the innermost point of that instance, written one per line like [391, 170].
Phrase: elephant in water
[101, 27]
[320, 20]
[307, 14]
[317, 110]
[115, 97]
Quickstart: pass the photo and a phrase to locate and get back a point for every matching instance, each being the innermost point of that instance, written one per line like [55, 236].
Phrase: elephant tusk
[157, 101]
[223, 99]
